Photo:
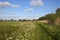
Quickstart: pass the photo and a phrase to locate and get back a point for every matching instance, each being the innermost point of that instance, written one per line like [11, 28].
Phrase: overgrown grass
[29, 30]
[47, 32]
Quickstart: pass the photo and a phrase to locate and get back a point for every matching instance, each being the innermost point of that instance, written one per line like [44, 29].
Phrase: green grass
[29, 30]
[47, 32]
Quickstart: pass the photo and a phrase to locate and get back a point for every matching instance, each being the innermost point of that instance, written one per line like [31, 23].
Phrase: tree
[19, 19]
[1, 20]
[42, 18]
[58, 12]
[51, 17]
[12, 20]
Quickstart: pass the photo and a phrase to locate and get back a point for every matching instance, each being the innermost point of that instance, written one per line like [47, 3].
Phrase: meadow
[28, 30]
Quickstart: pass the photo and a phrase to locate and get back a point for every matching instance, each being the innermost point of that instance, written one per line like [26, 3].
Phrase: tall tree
[51, 17]
[58, 12]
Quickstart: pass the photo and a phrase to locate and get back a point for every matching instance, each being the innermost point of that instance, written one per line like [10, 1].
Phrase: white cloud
[29, 9]
[36, 3]
[10, 13]
[6, 4]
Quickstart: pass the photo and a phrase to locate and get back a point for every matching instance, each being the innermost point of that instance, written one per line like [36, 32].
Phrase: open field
[28, 30]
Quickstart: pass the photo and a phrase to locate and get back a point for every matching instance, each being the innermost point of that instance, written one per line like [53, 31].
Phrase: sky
[27, 9]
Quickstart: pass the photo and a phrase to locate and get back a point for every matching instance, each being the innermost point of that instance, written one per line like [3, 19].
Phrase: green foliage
[11, 19]
[51, 17]
[42, 18]
[1, 20]
[58, 12]
[47, 32]
[19, 19]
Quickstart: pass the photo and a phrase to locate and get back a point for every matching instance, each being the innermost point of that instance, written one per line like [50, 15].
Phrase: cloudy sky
[27, 9]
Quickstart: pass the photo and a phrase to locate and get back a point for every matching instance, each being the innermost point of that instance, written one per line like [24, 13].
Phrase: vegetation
[58, 12]
[47, 32]
[51, 17]
[28, 30]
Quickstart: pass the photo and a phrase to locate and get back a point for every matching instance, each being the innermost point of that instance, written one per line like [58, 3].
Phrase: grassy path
[26, 31]
[46, 32]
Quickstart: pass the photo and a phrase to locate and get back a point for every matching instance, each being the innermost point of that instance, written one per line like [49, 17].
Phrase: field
[28, 30]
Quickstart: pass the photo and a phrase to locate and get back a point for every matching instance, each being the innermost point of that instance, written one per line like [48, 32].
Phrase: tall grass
[28, 30]
[47, 32]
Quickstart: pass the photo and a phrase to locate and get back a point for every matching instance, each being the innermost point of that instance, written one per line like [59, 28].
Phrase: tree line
[51, 17]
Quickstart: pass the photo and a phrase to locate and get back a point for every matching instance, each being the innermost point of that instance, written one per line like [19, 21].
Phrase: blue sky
[27, 9]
